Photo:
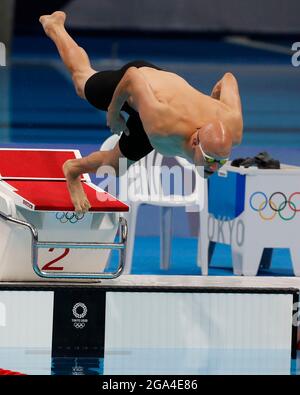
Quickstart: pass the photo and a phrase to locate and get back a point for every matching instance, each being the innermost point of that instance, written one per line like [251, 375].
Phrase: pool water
[154, 362]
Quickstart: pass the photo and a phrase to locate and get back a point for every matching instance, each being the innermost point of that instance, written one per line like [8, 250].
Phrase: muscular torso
[188, 109]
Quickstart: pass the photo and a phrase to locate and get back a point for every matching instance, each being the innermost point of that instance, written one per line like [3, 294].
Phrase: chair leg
[131, 222]
[165, 237]
[203, 244]
[295, 255]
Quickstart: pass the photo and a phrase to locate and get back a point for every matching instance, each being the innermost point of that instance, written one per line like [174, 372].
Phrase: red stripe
[5, 372]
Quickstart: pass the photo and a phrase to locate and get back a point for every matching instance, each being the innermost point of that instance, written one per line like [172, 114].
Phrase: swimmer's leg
[74, 57]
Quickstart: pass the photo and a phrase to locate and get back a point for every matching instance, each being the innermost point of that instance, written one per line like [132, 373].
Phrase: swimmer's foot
[77, 194]
[51, 22]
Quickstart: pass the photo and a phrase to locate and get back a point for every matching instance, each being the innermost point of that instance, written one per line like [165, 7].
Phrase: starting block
[41, 235]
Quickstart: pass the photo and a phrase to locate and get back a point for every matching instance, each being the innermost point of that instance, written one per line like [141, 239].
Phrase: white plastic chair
[134, 190]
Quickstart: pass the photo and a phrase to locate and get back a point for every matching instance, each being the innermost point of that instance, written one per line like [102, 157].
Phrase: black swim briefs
[99, 90]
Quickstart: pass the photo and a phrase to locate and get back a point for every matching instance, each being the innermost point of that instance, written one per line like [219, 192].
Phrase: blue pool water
[154, 362]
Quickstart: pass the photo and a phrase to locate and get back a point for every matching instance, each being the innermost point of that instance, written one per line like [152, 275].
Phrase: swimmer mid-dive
[165, 112]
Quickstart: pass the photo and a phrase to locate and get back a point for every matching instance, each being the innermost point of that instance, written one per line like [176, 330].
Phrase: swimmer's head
[211, 146]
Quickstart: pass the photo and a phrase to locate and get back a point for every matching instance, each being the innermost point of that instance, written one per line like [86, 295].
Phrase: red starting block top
[30, 164]
[39, 183]
[54, 196]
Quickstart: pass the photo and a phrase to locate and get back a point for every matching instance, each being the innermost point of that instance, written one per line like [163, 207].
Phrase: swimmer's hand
[116, 123]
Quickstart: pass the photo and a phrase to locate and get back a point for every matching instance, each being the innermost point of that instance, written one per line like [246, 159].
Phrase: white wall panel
[28, 319]
[198, 320]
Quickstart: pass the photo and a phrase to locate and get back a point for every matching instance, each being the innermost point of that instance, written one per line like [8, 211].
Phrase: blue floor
[146, 259]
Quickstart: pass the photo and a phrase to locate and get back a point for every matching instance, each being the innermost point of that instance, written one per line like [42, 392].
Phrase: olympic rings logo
[276, 207]
[79, 325]
[81, 306]
[64, 217]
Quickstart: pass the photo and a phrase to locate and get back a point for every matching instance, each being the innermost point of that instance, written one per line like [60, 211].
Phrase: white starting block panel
[33, 189]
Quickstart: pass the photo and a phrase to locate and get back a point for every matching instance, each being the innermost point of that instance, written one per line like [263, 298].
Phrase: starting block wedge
[41, 235]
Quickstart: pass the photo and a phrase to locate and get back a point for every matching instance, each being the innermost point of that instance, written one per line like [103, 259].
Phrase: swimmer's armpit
[216, 91]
